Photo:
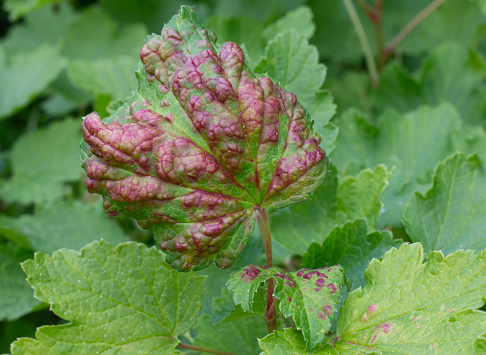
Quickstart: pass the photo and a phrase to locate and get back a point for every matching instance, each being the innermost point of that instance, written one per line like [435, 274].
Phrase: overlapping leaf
[333, 204]
[309, 296]
[452, 214]
[407, 307]
[202, 142]
[123, 300]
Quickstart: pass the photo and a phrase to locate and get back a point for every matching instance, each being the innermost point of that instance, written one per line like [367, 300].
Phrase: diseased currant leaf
[452, 214]
[352, 247]
[42, 161]
[412, 143]
[333, 204]
[16, 298]
[291, 60]
[123, 300]
[202, 143]
[412, 307]
[309, 296]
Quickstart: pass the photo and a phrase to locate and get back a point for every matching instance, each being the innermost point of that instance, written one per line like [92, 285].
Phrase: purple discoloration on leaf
[313, 309]
[200, 145]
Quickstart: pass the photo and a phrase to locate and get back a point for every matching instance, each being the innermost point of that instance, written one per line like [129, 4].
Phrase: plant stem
[264, 225]
[390, 48]
[370, 61]
[203, 349]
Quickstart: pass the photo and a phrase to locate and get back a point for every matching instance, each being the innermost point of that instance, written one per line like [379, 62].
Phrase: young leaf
[452, 213]
[331, 205]
[16, 298]
[122, 300]
[408, 306]
[41, 162]
[309, 296]
[351, 247]
[201, 145]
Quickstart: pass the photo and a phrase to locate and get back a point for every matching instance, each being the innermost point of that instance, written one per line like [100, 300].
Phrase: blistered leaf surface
[310, 296]
[123, 300]
[202, 142]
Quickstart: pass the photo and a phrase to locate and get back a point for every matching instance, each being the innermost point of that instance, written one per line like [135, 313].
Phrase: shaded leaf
[66, 225]
[451, 73]
[25, 76]
[16, 298]
[412, 143]
[333, 204]
[124, 299]
[352, 247]
[236, 336]
[41, 162]
[200, 145]
[451, 214]
[309, 296]
[18, 8]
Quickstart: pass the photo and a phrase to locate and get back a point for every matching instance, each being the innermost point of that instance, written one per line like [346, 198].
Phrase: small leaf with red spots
[200, 145]
[310, 296]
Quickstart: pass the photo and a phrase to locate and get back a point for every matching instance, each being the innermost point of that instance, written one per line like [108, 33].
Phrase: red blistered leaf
[202, 142]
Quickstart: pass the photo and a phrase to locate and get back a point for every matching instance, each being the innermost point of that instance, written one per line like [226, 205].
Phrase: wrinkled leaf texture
[201, 145]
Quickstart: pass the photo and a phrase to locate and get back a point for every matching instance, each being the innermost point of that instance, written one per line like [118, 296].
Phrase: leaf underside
[201, 143]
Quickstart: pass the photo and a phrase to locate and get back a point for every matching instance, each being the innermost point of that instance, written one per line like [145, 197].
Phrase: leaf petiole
[203, 349]
[264, 225]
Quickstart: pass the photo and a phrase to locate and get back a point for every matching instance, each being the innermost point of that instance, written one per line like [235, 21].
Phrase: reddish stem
[203, 349]
[264, 225]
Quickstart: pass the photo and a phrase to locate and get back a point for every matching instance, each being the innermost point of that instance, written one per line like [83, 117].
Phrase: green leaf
[123, 300]
[471, 140]
[238, 336]
[451, 214]
[26, 75]
[413, 143]
[449, 74]
[291, 60]
[300, 19]
[201, 145]
[19, 8]
[16, 298]
[289, 341]
[352, 247]
[44, 26]
[333, 204]
[70, 225]
[309, 296]
[42, 161]
[408, 306]
[245, 31]
[110, 76]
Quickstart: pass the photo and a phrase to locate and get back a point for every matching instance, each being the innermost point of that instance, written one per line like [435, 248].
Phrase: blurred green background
[60, 60]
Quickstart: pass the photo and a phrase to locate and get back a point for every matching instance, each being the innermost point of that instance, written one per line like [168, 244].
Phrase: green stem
[203, 349]
[365, 45]
[390, 48]
[264, 225]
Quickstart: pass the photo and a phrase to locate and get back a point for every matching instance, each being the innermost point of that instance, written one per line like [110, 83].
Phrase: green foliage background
[407, 157]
